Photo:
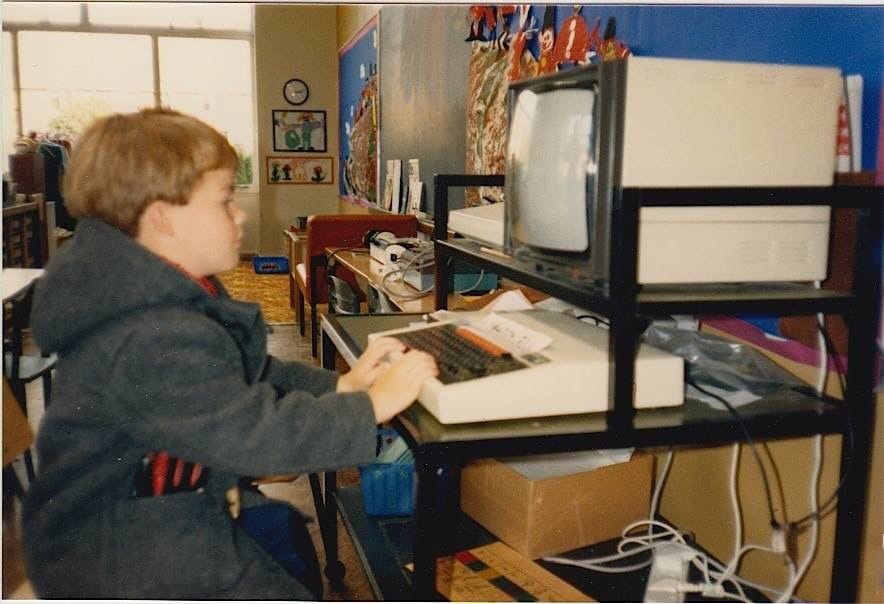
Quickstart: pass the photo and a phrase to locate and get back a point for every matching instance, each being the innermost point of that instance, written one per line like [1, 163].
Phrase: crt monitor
[577, 137]
[551, 167]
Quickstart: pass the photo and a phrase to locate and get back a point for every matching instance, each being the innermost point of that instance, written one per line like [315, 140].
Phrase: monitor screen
[550, 167]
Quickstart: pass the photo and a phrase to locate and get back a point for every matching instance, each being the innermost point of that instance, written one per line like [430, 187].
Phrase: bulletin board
[359, 116]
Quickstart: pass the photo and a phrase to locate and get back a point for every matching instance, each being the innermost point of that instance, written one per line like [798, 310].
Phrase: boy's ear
[155, 218]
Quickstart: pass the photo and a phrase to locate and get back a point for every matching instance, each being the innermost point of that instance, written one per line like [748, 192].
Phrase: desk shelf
[788, 414]
[383, 545]
[659, 300]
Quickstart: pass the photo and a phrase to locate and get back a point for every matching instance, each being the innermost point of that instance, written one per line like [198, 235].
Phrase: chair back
[19, 368]
[17, 433]
[344, 231]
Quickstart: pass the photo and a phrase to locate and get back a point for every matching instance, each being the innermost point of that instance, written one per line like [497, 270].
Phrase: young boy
[157, 362]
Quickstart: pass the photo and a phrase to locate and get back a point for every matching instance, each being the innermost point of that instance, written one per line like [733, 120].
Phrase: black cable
[773, 520]
[330, 262]
[594, 318]
[839, 370]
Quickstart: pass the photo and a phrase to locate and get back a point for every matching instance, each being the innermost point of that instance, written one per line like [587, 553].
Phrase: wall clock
[296, 91]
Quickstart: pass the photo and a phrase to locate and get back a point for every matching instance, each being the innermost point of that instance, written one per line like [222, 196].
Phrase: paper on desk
[509, 335]
[539, 467]
[556, 305]
[511, 300]
[735, 397]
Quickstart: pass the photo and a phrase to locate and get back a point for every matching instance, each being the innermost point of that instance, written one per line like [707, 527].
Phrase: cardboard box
[541, 517]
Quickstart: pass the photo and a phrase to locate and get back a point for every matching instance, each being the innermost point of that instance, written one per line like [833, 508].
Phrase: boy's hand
[370, 365]
[394, 390]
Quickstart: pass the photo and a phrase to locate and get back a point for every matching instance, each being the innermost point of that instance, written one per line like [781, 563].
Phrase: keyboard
[480, 380]
[460, 353]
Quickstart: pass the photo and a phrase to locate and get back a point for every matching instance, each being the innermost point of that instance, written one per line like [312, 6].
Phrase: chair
[336, 230]
[20, 369]
[17, 439]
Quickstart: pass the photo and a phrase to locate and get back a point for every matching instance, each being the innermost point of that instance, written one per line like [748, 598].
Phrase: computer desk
[440, 450]
[369, 273]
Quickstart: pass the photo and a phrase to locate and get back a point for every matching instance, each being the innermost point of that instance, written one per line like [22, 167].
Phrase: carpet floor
[271, 291]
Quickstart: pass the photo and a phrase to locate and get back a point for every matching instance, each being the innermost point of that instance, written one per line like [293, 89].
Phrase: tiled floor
[285, 343]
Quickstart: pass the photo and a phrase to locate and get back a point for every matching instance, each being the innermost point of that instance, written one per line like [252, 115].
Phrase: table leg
[327, 515]
[328, 352]
[435, 514]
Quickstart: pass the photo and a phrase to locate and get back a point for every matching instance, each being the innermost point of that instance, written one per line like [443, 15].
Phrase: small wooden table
[369, 274]
[295, 242]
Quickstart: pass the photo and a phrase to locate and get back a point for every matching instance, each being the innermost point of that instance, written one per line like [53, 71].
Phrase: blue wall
[848, 37]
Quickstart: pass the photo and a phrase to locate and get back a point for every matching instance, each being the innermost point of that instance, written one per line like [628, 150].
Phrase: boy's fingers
[380, 348]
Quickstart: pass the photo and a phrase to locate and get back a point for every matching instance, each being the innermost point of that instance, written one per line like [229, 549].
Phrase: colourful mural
[509, 42]
[359, 116]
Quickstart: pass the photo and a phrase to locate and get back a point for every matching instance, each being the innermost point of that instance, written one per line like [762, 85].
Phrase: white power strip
[669, 570]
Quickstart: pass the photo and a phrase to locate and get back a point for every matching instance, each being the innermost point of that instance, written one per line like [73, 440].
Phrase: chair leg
[314, 330]
[47, 388]
[300, 311]
[29, 465]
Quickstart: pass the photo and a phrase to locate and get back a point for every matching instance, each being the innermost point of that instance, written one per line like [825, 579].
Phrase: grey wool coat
[148, 361]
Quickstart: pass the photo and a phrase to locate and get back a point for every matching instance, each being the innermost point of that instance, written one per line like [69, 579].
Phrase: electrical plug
[669, 571]
[778, 539]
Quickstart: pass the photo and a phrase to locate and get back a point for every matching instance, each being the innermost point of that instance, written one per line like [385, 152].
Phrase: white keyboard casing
[568, 376]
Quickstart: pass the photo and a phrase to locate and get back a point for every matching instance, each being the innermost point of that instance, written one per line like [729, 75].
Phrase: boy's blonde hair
[123, 162]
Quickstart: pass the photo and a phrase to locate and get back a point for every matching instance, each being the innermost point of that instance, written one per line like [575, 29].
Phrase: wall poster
[302, 131]
[300, 170]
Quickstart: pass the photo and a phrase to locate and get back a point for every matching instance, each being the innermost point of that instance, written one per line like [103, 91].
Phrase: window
[76, 62]
[211, 79]
[62, 92]
[10, 99]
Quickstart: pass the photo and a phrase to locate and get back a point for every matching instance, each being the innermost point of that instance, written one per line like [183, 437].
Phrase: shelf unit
[628, 306]
[24, 235]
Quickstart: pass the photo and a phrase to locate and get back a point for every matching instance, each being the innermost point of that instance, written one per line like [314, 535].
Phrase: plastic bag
[734, 371]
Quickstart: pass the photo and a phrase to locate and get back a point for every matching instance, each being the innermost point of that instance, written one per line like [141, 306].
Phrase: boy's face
[209, 226]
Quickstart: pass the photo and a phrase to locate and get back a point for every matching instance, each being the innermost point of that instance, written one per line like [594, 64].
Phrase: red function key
[483, 343]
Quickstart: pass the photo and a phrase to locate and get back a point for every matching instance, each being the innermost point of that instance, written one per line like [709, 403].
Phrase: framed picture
[301, 131]
[300, 170]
